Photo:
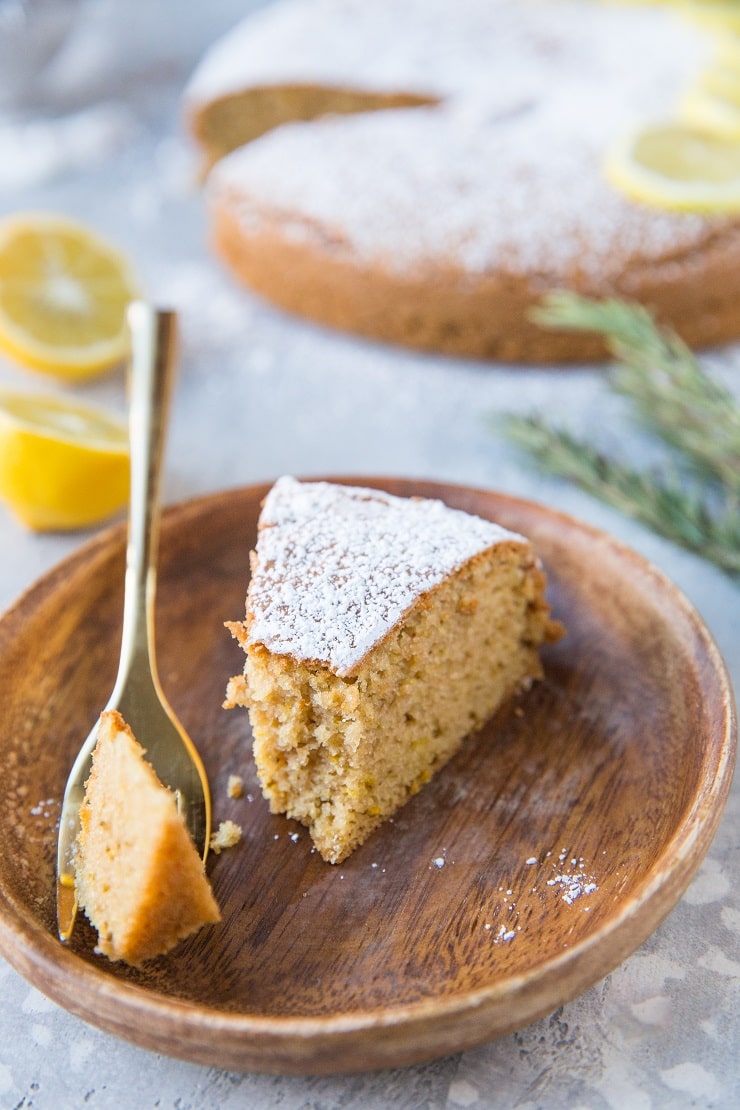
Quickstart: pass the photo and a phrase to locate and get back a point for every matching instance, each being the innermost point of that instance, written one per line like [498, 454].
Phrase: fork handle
[153, 342]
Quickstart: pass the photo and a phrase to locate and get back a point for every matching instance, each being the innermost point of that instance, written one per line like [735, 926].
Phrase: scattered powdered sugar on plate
[572, 880]
[44, 808]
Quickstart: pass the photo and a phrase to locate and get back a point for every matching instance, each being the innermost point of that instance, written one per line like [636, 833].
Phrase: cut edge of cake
[343, 739]
[138, 875]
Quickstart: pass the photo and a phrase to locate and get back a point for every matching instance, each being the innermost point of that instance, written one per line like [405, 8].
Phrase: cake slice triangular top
[379, 632]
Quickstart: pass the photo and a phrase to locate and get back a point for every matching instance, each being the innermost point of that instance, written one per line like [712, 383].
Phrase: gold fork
[137, 693]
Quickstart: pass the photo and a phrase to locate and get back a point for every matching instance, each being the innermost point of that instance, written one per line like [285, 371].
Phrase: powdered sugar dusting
[505, 174]
[439, 49]
[343, 43]
[571, 880]
[338, 566]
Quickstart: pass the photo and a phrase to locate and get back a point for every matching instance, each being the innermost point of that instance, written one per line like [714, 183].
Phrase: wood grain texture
[547, 850]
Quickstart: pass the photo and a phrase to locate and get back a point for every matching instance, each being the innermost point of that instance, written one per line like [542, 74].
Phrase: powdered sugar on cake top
[504, 174]
[408, 191]
[344, 44]
[441, 48]
[338, 566]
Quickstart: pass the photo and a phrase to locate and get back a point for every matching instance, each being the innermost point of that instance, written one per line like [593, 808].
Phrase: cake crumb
[226, 835]
[235, 786]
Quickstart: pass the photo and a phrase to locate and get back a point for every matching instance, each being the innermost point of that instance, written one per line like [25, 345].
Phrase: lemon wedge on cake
[677, 166]
[727, 49]
[721, 15]
[63, 465]
[721, 80]
[706, 111]
[63, 296]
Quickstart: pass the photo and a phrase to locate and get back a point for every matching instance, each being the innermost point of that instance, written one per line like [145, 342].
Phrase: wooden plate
[545, 852]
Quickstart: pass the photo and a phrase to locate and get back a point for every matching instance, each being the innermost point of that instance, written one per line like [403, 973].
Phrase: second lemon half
[63, 465]
[63, 296]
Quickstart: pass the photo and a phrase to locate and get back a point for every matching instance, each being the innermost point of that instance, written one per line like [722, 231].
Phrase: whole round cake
[424, 172]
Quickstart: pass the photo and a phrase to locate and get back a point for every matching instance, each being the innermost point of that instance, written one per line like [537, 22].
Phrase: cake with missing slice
[441, 226]
[138, 874]
[380, 631]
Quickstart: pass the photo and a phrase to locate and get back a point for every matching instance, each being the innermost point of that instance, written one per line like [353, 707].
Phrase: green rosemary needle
[672, 393]
[694, 500]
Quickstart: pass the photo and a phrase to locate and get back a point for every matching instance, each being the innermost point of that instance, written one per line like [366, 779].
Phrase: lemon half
[63, 296]
[677, 166]
[63, 465]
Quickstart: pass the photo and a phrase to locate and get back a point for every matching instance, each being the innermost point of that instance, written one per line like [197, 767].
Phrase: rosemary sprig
[674, 397]
[657, 500]
[671, 392]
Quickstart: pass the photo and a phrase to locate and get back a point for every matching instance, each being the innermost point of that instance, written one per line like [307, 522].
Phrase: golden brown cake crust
[488, 318]
[225, 123]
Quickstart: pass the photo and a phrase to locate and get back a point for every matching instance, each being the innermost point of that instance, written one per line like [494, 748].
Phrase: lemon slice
[717, 14]
[676, 166]
[63, 465]
[704, 111]
[63, 296]
[727, 49]
[722, 81]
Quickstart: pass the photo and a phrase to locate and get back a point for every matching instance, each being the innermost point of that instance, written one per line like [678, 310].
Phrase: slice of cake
[138, 874]
[380, 631]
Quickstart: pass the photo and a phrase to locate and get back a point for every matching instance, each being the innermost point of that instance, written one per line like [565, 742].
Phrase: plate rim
[39, 957]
